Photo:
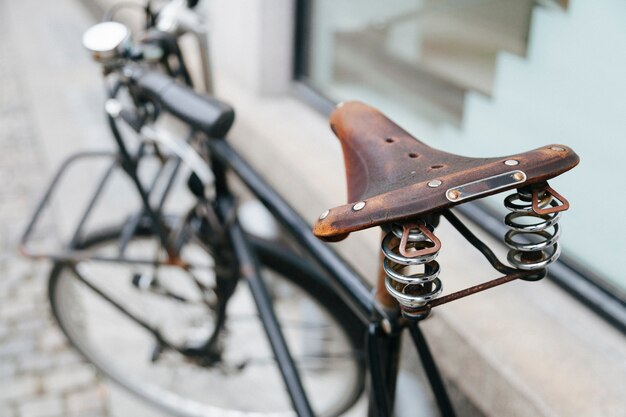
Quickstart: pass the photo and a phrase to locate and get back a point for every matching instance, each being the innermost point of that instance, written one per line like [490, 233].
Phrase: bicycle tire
[293, 270]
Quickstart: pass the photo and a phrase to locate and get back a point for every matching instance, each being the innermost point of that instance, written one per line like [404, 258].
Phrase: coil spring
[420, 246]
[534, 231]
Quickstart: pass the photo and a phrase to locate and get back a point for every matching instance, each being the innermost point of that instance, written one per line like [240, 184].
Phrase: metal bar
[145, 200]
[392, 344]
[121, 308]
[345, 280]
[182, 150]
[129, 164]
[141, 153]
[51, 188]
[379, 400]
[477, 243]
[583, 285]
[205, 57]
[128, 231]
[84, 255]
[169, 184]
[131, 226]
[432, 373]
[250, 269]
[92, 203]
[478, 288]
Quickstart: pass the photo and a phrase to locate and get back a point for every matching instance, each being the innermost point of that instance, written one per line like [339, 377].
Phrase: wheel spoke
[117, 322]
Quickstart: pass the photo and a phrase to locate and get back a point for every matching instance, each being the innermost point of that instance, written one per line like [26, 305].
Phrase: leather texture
[389, 170]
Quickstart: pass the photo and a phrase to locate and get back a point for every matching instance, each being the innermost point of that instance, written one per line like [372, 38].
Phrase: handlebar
[202, 112]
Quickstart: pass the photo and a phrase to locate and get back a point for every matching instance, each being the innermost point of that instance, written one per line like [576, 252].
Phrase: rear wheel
[323, 334]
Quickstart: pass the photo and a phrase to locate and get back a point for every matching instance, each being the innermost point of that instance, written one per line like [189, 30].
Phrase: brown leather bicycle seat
[398, 177]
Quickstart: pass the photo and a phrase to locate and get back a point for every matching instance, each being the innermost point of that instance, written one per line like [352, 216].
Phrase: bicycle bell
[107, 41]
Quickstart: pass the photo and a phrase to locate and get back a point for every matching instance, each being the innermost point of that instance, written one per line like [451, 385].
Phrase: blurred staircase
[570, 88]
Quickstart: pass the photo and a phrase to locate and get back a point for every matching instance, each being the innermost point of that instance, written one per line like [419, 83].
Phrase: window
[458, 75]
[420, 55]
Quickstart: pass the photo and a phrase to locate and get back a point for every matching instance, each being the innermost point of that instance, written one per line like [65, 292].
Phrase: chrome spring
[534, 233]
[413, 290]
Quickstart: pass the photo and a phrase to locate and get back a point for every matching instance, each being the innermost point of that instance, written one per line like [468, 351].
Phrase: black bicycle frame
[384, 329]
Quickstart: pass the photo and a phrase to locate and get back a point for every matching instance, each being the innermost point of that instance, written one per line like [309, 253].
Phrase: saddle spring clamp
[406, 248]
[410, 249]
[534, 231]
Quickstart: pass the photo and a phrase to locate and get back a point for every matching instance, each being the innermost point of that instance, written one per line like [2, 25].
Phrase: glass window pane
[489, 78]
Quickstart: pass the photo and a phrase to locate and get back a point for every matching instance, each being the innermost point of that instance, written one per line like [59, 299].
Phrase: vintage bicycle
[198, 316]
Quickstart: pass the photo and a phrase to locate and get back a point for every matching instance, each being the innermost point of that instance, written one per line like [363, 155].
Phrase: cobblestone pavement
[40, 376]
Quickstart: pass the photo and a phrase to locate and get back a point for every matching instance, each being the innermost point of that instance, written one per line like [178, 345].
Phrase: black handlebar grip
[202, 112]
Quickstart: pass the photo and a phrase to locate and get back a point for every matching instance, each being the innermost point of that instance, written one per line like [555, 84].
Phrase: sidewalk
[40, 375]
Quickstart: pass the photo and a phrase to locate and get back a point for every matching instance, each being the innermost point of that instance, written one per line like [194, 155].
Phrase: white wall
[252, 41]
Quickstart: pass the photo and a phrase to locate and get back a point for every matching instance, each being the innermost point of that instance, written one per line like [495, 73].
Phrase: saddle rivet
[454, 194]
[518, 176]
[324, 214]
[358, 206]
[557, 148]
[435, 183]
[511, 162]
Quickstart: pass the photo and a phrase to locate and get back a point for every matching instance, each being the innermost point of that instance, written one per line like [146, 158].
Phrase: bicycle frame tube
[250, 271]
[383, 347]
[130, 165]
[383, 354]
[356, 292]
[249, 268]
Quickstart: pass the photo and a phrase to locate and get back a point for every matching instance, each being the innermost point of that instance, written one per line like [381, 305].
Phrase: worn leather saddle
[393, 177]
